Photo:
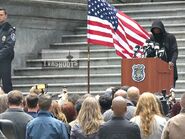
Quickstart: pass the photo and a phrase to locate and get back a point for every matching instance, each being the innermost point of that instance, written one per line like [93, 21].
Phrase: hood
[158, 24]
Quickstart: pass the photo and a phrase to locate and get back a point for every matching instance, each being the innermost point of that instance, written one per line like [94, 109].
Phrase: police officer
[7, 42]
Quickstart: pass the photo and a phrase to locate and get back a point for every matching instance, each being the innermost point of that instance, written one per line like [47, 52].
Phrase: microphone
[136, 49]
[161, 52]
[156, 48]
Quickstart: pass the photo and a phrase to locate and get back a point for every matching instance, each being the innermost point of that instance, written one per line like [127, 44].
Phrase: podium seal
[138, 72]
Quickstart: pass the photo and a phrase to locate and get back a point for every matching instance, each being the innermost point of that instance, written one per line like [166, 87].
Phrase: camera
[41, 86]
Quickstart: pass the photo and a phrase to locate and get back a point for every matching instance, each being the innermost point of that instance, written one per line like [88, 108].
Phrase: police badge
[138, 72]
[3, 39]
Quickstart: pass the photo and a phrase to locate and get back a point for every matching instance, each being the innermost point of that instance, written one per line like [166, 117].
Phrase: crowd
[119, 113]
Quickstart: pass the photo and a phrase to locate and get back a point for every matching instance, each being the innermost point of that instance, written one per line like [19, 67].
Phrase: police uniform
[7, 43]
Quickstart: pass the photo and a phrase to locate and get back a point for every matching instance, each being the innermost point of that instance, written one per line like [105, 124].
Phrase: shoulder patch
[13, 36]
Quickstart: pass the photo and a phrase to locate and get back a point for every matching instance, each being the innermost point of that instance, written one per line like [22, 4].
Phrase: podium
[148, 74]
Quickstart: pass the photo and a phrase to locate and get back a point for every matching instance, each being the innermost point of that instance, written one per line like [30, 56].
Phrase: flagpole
[88, 70]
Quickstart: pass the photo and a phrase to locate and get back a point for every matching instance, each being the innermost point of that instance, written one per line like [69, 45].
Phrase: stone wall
[40, 23]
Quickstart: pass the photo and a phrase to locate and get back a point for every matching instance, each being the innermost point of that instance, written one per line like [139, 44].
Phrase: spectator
[78, 105]
[32, 104]
[45, 126]
[69, 110]
[119, 127]
[105, 102]
[175, 126]
[57, 112]
[148, 117]
[16, 114]
[89, 120]
[130, 109]
[133, 94]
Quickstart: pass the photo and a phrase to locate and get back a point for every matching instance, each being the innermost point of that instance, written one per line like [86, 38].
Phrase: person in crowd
[3, 103]
[32, 104]
[130, 108]
[175, 126]
[133, 94]
[45, 126]
[148, 117]
[105, 102]
[7, 42]
[73, 98]
[16, 114]
[69, 110]
[167, 42]
[125, 87]
[57, 112]
[89, 120]
[78, 106]
[119, 127]
[176, 108]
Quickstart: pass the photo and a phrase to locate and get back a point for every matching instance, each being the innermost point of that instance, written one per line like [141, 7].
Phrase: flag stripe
[109, 27]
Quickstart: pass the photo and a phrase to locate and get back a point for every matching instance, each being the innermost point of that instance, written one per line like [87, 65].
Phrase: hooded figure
[167, 42]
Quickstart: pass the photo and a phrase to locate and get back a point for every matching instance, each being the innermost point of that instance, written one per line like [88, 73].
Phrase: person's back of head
[32, 100]
[133, 94]
[45, 102]
[121, 92]
[119, 106]
[90, 117]
[69, 110]
[15, 97]
[57, 112]
[105, 102]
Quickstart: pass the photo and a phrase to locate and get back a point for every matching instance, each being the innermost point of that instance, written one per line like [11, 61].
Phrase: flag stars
[103, 10]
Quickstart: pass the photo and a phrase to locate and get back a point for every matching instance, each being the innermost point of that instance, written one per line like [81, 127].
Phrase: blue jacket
[45, 126]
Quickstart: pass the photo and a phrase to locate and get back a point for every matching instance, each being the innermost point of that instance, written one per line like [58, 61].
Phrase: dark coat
[7, 41]
[168, 42]
[119, 128]
[77, 133]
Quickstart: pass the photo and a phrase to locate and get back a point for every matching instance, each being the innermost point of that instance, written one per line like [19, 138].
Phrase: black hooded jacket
[168, 42]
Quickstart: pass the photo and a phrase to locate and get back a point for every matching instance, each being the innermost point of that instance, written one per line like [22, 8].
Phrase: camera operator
[167, 43]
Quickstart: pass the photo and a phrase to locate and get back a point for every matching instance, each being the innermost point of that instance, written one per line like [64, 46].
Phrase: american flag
[110, 27]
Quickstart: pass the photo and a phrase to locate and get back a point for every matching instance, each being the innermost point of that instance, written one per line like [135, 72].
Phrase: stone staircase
[105, 65]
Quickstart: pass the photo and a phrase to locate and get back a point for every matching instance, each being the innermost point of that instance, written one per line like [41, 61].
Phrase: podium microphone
[156, 48]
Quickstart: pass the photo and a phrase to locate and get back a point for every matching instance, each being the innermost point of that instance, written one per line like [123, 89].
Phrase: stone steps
[84, 45]
[72, 87]
[156, 12]
[36, 71]
[61, 54]
[150, 5]
[169, 27]
[51, 79]
[82, 61]
[83, 37]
